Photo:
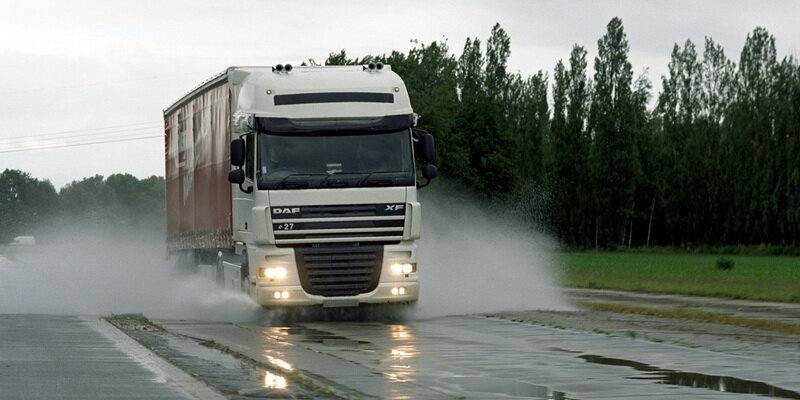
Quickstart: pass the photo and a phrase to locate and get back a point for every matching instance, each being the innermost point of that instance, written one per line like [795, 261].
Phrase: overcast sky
[84, 71]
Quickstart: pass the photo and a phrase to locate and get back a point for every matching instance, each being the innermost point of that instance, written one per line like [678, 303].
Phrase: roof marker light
[379, 66]
[278, 68]
[288, 67]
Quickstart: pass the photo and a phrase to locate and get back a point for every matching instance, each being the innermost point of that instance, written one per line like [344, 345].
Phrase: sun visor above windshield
[289, 125]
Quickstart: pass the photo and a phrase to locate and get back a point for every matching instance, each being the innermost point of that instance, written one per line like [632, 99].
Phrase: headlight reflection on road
[276, 336]
[399, 377]
[279, 362]
[402, 358]
[272, 381]
[402, 362]
[401, 332]
[397, 353]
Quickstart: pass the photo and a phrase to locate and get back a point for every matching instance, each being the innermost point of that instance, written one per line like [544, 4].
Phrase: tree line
[118, 203]
[713, 159]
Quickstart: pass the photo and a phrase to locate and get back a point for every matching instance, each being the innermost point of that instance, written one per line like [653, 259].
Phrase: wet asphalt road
[69, 357]
[459, 357]
[485, 358]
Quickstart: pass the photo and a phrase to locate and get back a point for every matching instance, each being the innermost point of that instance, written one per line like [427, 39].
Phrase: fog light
[398, 291]
[280, 295]
[273, 273]
[402, 290]
[395, 291]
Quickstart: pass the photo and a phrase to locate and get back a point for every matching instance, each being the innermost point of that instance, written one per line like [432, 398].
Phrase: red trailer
[197, 146]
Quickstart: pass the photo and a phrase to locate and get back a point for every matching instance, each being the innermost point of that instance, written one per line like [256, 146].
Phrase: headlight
[399, 269]
[273, 273]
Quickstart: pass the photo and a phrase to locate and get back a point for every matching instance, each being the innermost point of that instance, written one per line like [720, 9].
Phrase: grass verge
[133, 321]
[772, 278]
[701, 316]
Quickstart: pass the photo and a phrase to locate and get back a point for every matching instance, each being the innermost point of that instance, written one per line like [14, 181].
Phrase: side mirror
[429, 171]
[236, 176]
[237, 152]
[426, 148]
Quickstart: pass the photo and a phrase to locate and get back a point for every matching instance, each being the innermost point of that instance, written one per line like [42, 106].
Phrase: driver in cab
[279, 160]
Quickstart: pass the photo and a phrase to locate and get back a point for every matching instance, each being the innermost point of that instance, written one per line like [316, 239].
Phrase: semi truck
[298, 185]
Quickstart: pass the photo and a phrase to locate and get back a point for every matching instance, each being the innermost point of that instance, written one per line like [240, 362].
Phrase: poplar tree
[611, 121]
[570, 147]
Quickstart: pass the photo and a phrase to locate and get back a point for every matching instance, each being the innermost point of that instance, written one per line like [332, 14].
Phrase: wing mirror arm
[428, 154]
[428, 172]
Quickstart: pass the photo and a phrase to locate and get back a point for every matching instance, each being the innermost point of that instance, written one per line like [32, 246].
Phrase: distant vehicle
[23, 241]
[298, 185]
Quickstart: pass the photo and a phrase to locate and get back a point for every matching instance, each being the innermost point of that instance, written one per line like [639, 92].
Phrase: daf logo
[394, 207]
[286, 210]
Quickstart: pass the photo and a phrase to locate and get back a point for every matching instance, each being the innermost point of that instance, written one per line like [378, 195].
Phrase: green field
[753, 277]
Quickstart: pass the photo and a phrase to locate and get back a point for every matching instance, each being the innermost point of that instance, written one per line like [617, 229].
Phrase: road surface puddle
[309, 335]
[223, 371]
[510, 387]
[690, 379]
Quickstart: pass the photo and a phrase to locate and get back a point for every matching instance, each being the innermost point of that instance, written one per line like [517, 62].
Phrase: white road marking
[165, 372]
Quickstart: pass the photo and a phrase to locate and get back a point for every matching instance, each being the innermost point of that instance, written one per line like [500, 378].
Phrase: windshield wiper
[363, 182]
[381, 182]
[339, 183]
[297, 184]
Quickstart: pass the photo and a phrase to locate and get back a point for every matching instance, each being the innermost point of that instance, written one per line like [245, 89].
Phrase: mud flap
[231, 276]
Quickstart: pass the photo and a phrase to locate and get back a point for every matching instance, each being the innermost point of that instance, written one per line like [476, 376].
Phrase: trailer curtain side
[197, 147]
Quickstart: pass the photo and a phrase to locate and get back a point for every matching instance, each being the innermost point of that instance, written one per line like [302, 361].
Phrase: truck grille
[339, 269]
[338, 223]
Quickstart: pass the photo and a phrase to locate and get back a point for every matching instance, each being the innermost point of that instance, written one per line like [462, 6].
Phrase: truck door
[242, 201]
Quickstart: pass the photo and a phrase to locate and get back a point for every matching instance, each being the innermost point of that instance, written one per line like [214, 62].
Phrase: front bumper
[265, 295]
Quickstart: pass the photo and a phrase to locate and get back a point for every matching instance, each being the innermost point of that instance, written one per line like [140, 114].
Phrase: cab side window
[250, 151]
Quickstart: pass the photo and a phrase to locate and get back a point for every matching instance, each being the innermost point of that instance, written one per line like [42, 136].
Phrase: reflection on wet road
[480, 358]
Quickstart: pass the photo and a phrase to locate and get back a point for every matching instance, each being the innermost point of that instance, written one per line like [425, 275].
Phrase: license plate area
[339, 303]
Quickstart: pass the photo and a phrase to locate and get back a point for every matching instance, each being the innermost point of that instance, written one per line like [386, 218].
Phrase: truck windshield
[334, 160]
